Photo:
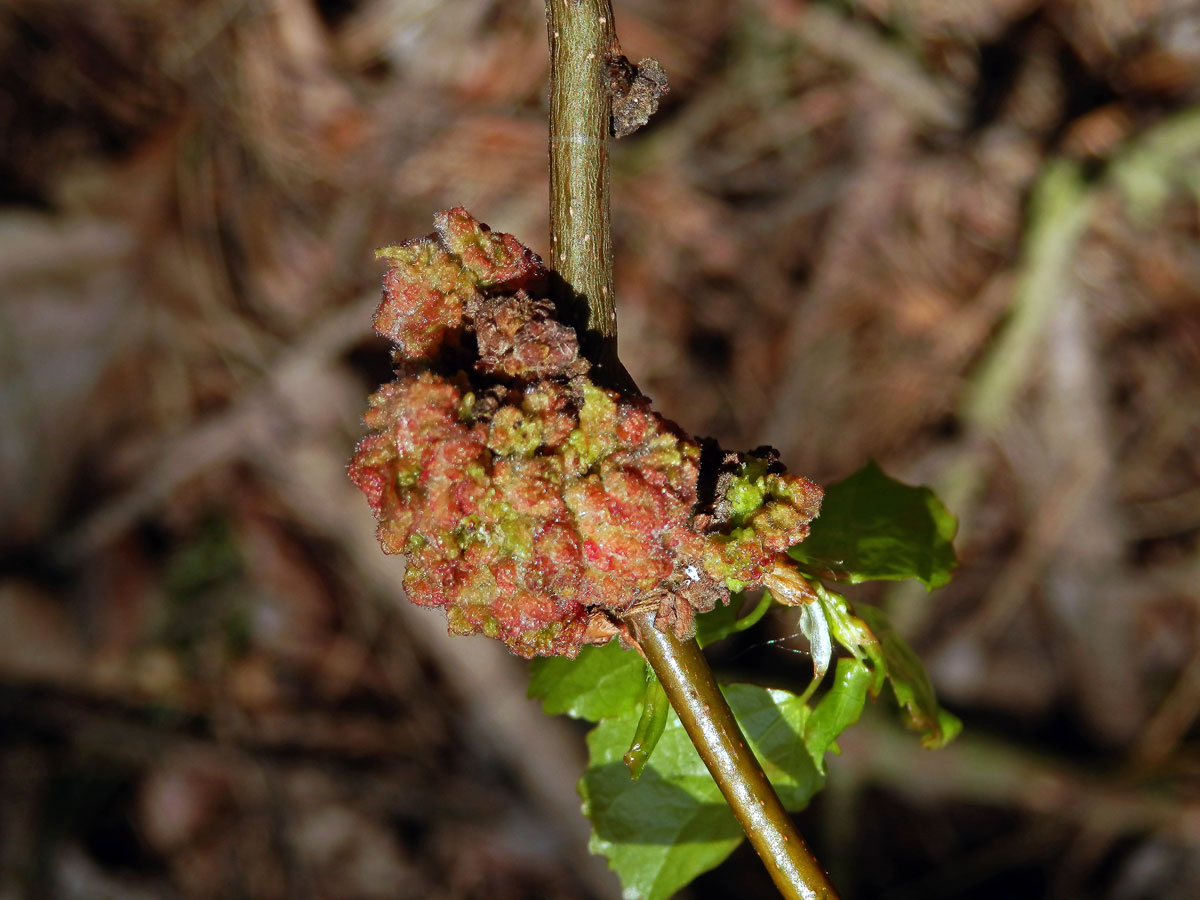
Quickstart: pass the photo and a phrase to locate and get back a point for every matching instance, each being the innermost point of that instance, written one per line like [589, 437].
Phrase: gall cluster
[532, 504]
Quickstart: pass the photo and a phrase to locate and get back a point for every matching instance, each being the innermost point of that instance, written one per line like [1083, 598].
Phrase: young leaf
[656, 709]
[599, 682]
[911, 684]
[852, 633]
[874, 528]
[672, 824]
[838, 709]
[815, 627]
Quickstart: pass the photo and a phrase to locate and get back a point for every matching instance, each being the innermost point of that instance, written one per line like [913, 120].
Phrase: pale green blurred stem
[1060, 210]
[1155, 164]
[582, 36]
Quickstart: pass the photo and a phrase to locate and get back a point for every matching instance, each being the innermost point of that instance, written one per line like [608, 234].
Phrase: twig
[1171, 721]
[262, 408]
[583, 48]
[582, 39]
[709, 722]
[925, 98]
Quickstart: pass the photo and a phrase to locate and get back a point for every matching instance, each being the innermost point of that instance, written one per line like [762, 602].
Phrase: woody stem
[583, 40]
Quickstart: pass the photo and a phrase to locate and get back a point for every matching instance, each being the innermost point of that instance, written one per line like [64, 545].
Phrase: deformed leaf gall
[534, 505]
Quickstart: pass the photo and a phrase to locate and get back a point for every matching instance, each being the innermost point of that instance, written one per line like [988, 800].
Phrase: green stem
[709, 722]
[583, 43]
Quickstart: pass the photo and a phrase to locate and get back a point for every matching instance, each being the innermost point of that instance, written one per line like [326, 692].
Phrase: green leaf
[874, 528]
[838, 709]
[672, 824]
[599, 682]
[723, 621]
[911, 684]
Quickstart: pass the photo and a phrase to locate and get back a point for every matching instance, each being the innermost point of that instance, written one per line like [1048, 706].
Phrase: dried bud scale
[529, 501]
[635, 92]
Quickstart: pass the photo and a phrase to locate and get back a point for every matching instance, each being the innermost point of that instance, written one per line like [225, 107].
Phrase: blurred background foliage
[960, 238]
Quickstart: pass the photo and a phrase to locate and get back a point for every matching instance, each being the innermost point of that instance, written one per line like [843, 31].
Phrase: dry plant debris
[824, 224]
